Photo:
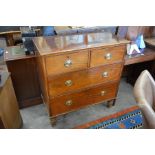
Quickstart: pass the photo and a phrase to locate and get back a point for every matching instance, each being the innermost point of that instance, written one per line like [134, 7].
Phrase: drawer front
[66, 103]
[107, 55]
[82, 79]
[57, 64]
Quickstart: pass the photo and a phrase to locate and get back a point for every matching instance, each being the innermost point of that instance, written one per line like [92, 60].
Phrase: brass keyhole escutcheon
[108, 56]
[68, 83]
[103, 93]
[105, 74]
[68, 63]
[69, 102]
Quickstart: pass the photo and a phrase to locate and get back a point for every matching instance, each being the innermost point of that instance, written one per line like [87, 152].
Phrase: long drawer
[57, 64]
[66, 103]
[107, 55]
[69, 82]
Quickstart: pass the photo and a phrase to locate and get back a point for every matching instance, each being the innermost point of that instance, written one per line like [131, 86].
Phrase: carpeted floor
[129, 118]
[36, 117]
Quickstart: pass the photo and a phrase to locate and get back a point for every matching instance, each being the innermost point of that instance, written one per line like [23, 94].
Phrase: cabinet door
[25, 81]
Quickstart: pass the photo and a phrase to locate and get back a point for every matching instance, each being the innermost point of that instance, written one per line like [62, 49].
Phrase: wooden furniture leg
[10, 40]
[65, 115]
[114, 101]
[111, 103]
[53, 121]
[1, 124]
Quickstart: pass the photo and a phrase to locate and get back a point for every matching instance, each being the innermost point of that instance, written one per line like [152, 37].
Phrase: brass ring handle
[68, 63]
[108, 56]
[105, 74]
[103, 93]
[68, 83]
[69, 102]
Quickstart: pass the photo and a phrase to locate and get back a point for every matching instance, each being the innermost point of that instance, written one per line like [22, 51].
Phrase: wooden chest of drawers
[78, 70]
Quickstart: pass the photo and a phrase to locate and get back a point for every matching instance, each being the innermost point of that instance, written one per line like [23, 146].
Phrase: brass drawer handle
[68, 63]
[105, 74]
[68, 83]
[108, 56]
[103, 93]
[69, 102]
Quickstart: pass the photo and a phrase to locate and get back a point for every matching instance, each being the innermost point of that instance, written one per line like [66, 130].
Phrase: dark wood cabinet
[135, 64]
[24, 75]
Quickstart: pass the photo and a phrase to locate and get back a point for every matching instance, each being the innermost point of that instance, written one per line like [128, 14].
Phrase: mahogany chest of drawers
[78, 70]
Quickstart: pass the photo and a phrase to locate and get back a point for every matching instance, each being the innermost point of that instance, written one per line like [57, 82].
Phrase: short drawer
[66, 103]
[107, 55]
[57, 64]
[82, 79]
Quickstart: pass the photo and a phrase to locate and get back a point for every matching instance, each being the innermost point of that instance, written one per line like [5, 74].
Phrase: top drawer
[57, 64]
[107, 55]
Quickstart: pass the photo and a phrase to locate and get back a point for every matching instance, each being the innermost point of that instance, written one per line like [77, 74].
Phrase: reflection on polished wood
[59, 44]
[15, 32]
[16, 53]
[9, 35]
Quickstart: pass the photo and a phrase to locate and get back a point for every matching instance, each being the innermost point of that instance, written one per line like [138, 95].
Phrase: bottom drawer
[66, 103]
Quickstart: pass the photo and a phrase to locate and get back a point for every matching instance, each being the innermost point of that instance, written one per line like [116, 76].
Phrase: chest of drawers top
[60, 44]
